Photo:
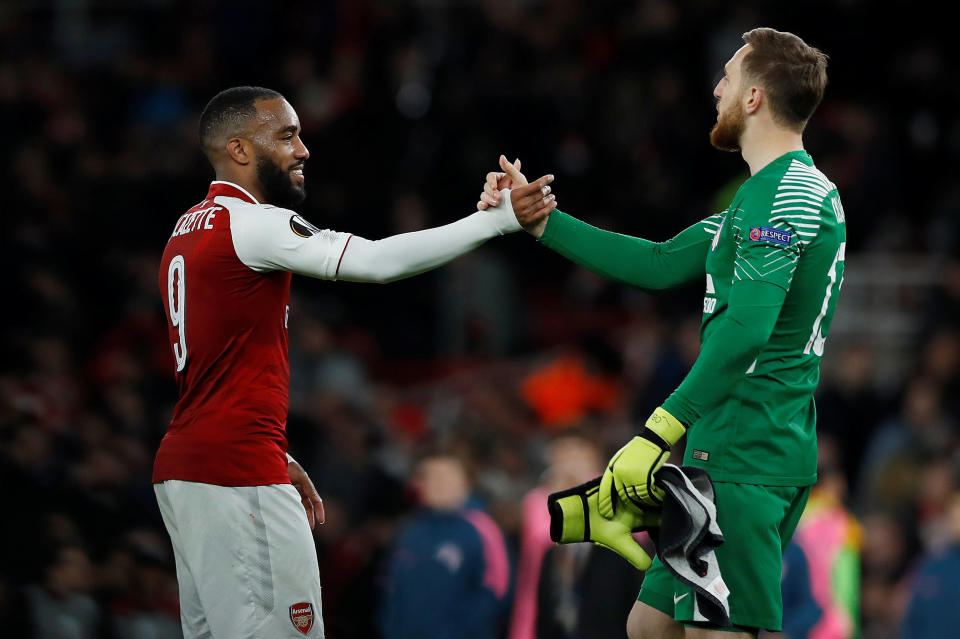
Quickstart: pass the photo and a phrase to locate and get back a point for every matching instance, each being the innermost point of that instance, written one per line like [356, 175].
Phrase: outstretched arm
[651, 266]
[409, 254]
[648, 265]
[269, 239]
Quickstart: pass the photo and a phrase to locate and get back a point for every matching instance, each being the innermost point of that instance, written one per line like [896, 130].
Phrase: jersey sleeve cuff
[680, 410]
[555, 224]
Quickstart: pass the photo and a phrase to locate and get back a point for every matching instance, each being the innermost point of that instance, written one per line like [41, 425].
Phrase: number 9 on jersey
[176, 298]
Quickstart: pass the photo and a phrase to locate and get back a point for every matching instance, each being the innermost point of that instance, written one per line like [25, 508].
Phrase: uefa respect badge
[782, 237]
[301, 614]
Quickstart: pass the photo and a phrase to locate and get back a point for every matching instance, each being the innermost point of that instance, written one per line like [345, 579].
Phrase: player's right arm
[269, 239]
[651, 266]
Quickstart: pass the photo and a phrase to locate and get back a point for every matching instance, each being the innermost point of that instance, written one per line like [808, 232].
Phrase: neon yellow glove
[574, 517]
[629, 474]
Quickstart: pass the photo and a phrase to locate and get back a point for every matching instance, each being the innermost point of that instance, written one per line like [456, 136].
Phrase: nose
[301, 151]
[718, 90]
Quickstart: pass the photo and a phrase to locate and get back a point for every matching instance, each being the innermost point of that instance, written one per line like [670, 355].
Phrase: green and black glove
[629, 474]
[574, 517]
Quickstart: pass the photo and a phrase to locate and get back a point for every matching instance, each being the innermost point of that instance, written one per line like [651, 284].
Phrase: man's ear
[753, 99]
[240, 150]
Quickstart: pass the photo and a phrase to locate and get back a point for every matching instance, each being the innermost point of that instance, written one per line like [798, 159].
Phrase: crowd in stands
[504, 361]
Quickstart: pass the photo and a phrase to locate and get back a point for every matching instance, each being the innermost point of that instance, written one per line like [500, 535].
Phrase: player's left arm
[752, 313]
[763, 272]
[747, 325]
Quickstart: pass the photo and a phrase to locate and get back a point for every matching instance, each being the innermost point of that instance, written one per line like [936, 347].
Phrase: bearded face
[726, 133]
[280, 184]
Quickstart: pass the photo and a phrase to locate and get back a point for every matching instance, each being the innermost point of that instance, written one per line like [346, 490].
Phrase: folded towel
[688, 536]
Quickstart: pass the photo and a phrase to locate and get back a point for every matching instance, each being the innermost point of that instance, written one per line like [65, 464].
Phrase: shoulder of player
[252, 215]
[235, 204]
[798, 173]
[266, 220]
[793, 190]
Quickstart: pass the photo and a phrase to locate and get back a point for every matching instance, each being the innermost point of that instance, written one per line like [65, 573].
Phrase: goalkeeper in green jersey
[772, 264]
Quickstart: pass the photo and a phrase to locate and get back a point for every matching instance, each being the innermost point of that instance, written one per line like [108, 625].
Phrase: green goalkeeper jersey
[773, 264]
[784, 227]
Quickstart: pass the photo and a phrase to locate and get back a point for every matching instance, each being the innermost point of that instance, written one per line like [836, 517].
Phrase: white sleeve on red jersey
[268, 238]
[409, 254]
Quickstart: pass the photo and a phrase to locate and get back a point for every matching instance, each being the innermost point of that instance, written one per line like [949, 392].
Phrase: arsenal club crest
[301, 614]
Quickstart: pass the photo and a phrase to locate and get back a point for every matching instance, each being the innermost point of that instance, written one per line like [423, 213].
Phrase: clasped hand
[532, 202]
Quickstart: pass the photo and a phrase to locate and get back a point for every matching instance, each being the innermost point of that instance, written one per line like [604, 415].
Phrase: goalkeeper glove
[574, 517]
[630, 472]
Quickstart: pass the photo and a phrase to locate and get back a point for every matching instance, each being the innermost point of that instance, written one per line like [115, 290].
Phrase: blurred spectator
[830, 539]
[887, 549]
[584, 592]
[850, 407]
[571, 460]
[935, 589]
[940, 365]
[145, 602]
[60, 603]
[801, 612]
[448, 573]
[890, 474]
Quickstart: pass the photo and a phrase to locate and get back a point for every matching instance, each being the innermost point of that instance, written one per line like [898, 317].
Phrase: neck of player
[762, 144]
[244, 181]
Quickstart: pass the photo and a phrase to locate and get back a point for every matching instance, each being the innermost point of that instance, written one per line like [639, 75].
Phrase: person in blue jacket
[935, 591]
[448, 573]
[801, 612]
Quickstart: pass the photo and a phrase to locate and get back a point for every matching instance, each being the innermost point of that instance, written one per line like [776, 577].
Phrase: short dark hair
[793, 74]
[229, 110]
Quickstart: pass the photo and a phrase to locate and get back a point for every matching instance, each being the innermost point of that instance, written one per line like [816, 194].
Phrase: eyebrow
[293, 128]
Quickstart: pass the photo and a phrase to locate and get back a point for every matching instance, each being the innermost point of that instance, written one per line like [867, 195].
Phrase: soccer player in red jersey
[231, 497]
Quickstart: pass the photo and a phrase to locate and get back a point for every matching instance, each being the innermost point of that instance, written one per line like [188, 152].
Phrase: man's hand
[630, 473]
[499, 180]
[532, 203]
[312, 503]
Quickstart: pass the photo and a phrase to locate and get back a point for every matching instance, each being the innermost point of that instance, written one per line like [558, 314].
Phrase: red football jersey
[225, 283]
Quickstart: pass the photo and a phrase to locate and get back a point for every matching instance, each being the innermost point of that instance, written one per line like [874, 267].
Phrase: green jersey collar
[786, 158]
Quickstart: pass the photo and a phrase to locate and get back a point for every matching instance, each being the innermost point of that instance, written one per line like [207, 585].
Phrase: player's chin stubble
[726, 133]
[277, 186]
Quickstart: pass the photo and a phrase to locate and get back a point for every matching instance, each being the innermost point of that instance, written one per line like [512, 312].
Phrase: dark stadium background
[405, 106]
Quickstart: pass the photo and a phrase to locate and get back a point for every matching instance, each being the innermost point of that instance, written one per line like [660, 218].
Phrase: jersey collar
[229, 189]
[785, 159]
